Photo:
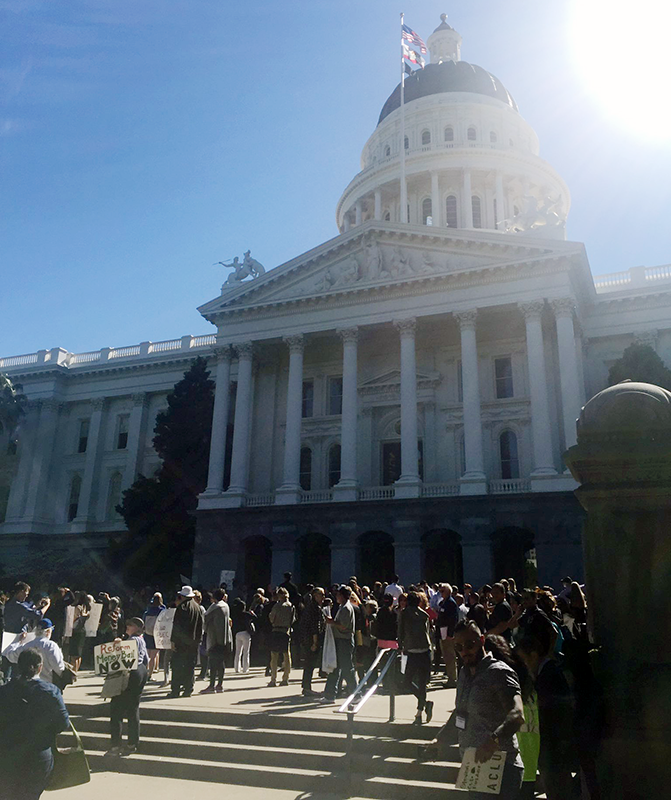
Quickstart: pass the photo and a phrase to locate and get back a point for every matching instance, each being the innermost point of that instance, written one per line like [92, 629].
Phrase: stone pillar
[473, 481]
[358, 213]
[290, 491]
[467, 200]
[343, 551]
[284, 552]
[27, 437]
[346, 488]
[93, 450]
[623, 462]
[222, 399]
[408, 484]
[378, 204]
[408, 551]
[477, 560]
[430, 439]
[137, 425]
[540, 410]
[569, 374]
[346, 223]
[241, 428]
[38, 483]
[500, 201]
[436, 205]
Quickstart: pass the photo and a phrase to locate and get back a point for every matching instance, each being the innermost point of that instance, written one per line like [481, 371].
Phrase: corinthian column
[541, 424]
[222, 399]
[241, 427]
[473, 481]
[93, 450]
[290, 490]
[346, 488]
[569, 373]
[408, 484]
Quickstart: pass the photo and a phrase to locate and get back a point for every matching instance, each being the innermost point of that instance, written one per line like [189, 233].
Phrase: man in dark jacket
[187, 631]
[312, 628]
[448, 616]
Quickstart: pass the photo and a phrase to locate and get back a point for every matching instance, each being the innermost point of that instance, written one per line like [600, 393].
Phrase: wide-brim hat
[187, 591]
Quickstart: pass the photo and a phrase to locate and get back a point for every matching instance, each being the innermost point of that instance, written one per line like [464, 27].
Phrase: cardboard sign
[91, 624]
[485, 777]
[227, 576]
[69, 621]
[10, 638]
[115, 657]
[163, 629]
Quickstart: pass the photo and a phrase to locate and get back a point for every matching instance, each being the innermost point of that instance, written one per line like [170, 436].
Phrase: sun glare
[622, 52]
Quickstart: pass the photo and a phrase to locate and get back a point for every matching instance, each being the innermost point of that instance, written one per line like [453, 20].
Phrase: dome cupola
[444, 43]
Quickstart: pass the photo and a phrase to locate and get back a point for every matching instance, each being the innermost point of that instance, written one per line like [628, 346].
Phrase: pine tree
[158, 511]
[640, 362]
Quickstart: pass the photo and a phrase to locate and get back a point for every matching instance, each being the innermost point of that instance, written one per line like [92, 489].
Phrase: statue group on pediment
[249, 267]
[532, 217]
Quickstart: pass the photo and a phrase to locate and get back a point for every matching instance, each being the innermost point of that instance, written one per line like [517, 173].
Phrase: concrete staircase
[300, 753]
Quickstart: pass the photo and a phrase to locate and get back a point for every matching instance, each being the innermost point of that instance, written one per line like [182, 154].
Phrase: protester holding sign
[187, 631]
[20, 614]
[126, 705]
[53, 664]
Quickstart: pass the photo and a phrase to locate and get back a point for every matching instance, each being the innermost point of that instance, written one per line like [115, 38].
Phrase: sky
[141, 141]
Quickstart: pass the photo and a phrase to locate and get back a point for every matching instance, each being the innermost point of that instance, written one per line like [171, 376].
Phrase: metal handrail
[352, 710]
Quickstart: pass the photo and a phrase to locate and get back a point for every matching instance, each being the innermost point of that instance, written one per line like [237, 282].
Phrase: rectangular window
[84, 425]
[308, 398]
[335, 395]
[460, 383]
[122, 432]
[503, 371]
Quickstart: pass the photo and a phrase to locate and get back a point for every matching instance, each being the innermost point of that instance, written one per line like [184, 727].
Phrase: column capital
[467, 319]
[563, 306]
[98, 403]
[295, 342]
[532, 309]
[348, 334]
[140, 399]
[223, 352]
[245, 351]
[406, 327]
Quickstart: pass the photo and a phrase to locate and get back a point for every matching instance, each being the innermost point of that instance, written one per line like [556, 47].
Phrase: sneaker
[172, 695]
[418, 719]
[114, 751]
[284, 683]
[128, 750]
[187, 694]
[272, 684]
[328, 700]
[428, 710]
[207, 690]
[310, 693]
[218, 688]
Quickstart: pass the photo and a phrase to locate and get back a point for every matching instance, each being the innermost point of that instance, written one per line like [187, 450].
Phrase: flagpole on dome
[404, 188]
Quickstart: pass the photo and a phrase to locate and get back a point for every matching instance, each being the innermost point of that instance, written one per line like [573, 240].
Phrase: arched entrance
[257, 562]
[442, 557]
[514, 556]
[314, 559]
[376, 561]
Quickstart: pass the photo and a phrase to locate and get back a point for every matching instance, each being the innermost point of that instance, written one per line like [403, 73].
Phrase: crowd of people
[518, 659]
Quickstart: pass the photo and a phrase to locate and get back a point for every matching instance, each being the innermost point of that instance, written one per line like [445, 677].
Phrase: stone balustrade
[634, 278]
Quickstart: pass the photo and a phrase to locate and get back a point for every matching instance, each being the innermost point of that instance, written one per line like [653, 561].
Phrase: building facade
[395, 399]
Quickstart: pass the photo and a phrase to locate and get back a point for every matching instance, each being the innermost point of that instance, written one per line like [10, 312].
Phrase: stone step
[365, 766]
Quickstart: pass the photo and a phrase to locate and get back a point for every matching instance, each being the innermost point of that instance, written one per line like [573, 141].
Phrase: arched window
[471, 134]
[427, 219]
[493, 138]
[334, 465]
[426, 137]
[113, 496]
[387, 151]
[477, 211]
[449, 134]
[306, 469]
[387, 216]
[73, 498]
[451, 211]
[510, 464]
[406, 143]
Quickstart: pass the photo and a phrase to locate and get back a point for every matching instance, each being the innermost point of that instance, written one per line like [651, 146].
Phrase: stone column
[343, 551]
[467, 200]
[568, 366]
[284, 539]
[358, 213]
[38, 484]
[222, 399]
[436, 205]
[408, 484]
[346, 488]
[540, 410]
[500, 201]
[473, 481]
[346, 223]
[93, 450]
[27, 438]
[408, 550]
[137, 425]
[290, 490]
[623, 462]
[242, 427]
[378, 204]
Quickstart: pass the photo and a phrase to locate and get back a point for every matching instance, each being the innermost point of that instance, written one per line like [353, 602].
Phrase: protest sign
[10, 638]
[115, 657]
[485, 777]
[163, 629]
[227, 576]
[69, 621]
[91, 624]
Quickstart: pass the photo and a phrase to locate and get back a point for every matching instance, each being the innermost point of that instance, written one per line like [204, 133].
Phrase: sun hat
[186, 591]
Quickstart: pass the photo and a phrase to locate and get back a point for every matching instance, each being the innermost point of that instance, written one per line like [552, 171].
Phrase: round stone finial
[627, 410]
[443, 17]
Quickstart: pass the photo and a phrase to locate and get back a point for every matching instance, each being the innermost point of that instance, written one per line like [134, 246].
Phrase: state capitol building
[396, 399]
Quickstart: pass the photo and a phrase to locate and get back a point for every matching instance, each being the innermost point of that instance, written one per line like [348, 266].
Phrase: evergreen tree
[158, 511]
[640, 362]
[12, 404]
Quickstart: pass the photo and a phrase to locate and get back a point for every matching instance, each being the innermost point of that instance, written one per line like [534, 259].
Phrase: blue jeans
[344, 670]
[510, 785]
[24, 777]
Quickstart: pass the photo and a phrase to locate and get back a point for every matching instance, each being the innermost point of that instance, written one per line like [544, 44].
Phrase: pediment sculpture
[532, 217]
[249, 268]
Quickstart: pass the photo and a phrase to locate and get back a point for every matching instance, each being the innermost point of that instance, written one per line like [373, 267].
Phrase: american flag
[410, 36]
